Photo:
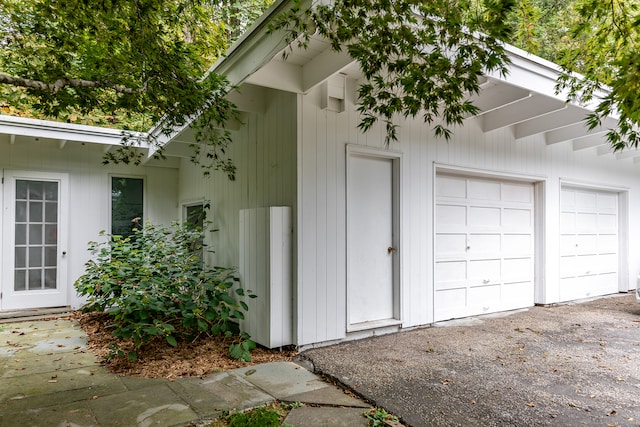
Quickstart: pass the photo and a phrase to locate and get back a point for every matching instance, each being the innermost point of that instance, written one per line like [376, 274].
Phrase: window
[126, 205]
[194, 216]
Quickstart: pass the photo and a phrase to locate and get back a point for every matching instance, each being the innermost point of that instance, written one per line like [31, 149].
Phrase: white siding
[264, 152]
[322, 205]
[89, 186]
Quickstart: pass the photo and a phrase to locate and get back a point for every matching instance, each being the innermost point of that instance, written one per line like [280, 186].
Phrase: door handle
[391, 250]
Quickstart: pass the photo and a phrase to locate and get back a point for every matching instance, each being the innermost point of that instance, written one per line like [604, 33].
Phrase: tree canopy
[134, 63]
[143, 62]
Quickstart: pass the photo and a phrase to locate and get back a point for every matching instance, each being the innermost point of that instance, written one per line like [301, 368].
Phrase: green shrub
[153, 283]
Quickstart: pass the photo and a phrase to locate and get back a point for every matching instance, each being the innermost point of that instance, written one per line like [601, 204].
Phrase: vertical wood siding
[322, 204]
[264, 152]
[89, 197]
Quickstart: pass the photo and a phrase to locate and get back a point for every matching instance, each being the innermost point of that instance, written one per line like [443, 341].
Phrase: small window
[194, 217]
[126, 205]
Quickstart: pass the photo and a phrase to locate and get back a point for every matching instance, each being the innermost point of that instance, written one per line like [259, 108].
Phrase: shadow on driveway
[568, 365]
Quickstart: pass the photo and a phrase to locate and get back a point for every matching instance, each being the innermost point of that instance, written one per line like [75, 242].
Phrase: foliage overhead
[136, 62]
[418, 57]
[153, 284]
[605, 51]
[142, 62]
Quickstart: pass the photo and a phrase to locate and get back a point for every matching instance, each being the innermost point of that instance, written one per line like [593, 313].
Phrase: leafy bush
[153, 283]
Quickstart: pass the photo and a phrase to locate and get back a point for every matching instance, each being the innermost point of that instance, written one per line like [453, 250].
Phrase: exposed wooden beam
[248, 98]
[278, 75]
[324, 66]
[589, 141]
[569, 115]
[577, 130]
[496, 95]
[519, 111]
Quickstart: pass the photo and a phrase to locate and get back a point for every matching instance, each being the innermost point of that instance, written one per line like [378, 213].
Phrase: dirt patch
[159, 360]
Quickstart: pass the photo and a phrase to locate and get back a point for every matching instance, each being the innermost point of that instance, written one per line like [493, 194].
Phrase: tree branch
[64, 82]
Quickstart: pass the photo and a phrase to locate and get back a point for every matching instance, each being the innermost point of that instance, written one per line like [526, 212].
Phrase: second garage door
[484, 248]
[588, 243]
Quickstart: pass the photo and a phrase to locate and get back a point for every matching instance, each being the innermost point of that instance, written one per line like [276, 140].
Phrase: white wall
[89, 186]
[264, 152]
[322, 205]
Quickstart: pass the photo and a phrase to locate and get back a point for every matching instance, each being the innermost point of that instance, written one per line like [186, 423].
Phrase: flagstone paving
[48, 377]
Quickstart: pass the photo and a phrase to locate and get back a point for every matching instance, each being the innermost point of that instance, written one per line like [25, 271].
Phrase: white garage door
[484, 248]
[588, 243]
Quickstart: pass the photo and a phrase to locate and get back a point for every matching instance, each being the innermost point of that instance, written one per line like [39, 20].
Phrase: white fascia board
[36, 128]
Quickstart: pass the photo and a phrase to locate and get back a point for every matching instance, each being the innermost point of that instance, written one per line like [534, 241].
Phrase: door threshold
[19, 315]
[373, 324]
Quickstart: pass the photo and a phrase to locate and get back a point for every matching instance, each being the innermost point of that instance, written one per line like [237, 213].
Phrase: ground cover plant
[154, 284]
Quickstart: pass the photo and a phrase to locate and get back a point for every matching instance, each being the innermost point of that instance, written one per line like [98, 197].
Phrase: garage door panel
[451, 187]
[586, 200]
[517, 192]
[586, 243]
[568, 222]
[568, 267]
[608, 263]
[607, 202]
[451, 217]
[450, 304]
[568, 199]
[517, 219]
[483, 217]
[451, 271]
[518, 294]
[483, 190]
[517, 243]
[567, 244]
[451, 244]
[607, 222]
[488, 270]
[587, 265]
[484, 299]
[516, 269]
[586, 222]
[608, 243]
[484, 244]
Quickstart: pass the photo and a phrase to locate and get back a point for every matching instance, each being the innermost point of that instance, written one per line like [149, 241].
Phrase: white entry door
[371, 247]
[33, 240]
[588, 243]
[484, 246]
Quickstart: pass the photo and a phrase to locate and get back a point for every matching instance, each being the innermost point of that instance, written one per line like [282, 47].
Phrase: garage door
[484, 246]
[588, 243]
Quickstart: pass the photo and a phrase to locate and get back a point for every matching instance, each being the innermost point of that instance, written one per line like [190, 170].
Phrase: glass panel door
[34, 256]
[36, 235]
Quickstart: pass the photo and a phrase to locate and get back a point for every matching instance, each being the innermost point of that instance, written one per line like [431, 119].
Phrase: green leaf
[172, 340]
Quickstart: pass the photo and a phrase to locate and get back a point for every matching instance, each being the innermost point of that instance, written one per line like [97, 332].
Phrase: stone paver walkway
[48, 377]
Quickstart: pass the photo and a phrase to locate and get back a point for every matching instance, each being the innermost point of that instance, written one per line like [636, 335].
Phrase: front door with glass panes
[33, 240]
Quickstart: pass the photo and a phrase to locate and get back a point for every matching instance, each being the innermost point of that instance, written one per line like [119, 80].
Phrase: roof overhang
[525, 100]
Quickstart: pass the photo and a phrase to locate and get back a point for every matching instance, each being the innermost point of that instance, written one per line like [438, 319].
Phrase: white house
[340, 236]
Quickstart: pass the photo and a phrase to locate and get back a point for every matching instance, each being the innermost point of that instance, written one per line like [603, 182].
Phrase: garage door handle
[485, 281]
[391, 250]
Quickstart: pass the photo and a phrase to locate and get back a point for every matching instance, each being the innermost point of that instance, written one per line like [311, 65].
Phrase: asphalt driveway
[568, 365]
